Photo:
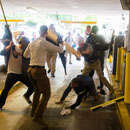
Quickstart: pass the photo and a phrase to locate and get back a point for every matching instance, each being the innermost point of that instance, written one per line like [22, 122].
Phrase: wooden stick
[3, 12]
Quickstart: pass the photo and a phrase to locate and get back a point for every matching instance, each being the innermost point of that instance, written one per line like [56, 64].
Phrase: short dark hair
[88, 26]
[75, 81]
[43, 29]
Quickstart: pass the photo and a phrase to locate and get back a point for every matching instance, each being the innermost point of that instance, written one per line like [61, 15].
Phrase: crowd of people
[25, 62]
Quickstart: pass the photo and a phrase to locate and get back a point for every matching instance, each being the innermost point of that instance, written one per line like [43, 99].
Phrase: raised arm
[53, 48]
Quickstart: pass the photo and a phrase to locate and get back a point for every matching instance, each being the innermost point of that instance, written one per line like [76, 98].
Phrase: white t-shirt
[15, 64]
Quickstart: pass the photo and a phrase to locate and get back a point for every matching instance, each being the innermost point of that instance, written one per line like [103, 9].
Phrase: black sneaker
[49, 71]
[100, 90]
[27, 99]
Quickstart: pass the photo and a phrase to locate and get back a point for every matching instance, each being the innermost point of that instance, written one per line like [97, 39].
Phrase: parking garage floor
[16, 112]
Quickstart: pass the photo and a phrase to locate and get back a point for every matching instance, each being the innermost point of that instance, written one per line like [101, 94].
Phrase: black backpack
[91, 45]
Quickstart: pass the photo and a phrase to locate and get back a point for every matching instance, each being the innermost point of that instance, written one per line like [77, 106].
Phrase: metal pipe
[118, 64]
[121, 66]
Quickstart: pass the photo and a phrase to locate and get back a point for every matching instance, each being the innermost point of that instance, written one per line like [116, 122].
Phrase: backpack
[93, 48]
[90, 44]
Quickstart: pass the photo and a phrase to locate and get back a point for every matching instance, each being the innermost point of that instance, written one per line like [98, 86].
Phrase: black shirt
[86, 85]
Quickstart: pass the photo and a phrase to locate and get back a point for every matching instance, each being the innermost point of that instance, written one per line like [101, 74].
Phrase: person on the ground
[14, 73]
[94, 56]
[37, 51]
[82, 85]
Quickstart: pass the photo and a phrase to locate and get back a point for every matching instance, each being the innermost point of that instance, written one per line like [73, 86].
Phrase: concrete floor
[2, 79]
[16, 113]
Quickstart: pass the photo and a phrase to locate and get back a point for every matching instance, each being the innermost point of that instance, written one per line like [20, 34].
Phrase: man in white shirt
[14, 73]
[37, 50]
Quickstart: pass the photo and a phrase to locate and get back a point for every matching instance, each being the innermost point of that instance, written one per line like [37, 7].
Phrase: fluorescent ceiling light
[31, 10]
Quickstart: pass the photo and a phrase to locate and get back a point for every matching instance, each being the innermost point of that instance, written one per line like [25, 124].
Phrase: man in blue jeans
[82, 85]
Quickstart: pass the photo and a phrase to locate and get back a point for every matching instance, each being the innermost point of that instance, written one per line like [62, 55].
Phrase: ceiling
[76, 7]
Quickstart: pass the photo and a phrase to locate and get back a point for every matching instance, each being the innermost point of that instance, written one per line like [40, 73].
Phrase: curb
[121, 107]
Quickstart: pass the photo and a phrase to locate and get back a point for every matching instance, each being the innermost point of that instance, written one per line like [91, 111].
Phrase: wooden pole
[3, 12]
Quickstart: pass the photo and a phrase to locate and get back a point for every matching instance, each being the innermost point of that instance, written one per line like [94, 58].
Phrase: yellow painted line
[12, 20]
[79, 22]
[107, 103]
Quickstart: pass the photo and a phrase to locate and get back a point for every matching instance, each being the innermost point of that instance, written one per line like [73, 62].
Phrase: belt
[36, 66]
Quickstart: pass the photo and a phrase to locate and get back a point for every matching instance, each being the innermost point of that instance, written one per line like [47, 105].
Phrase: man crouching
[82, 85]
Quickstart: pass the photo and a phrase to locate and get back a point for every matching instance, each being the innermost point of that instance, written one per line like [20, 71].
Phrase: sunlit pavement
[1, 60]
[16, 112]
